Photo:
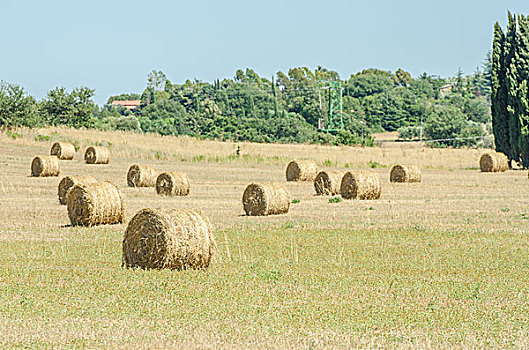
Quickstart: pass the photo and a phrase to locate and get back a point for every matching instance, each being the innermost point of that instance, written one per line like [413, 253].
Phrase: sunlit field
[430, 265]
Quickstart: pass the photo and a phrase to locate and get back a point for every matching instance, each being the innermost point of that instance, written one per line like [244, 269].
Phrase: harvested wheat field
[436, 264]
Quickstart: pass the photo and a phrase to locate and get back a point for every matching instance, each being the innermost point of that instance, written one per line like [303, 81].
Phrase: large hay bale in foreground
[265, 199]
[405, 173]
[493, 162]
[168, 239]
[97, 155]
[95, 204]
[45, 166]
[172, 184]
[141, 176]
[63, 150]
[360, 185]
[68, 182]
[328, 182]
[301, 170]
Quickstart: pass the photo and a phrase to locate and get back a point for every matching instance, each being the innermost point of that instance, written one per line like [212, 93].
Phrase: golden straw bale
[45, 166]
[493, 162]
[266, 199]
[172, 184]
[360, 185]
[168, 239]
[95, 204]
[63, 150]
[328, 182]
[68, 182]
[301, 170]
[141, 176]
[405, 173]
[97, 155]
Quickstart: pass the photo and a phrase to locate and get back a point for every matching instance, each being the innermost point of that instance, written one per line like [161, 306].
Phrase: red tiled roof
[126, 103]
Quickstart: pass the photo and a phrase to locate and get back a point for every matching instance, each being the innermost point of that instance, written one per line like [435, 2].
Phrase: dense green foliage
[510, 94]
[16, 107]
[287, 108]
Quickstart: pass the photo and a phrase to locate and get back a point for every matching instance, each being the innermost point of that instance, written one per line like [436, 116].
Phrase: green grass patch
[374, 165]
[287, 283]
[335, 200]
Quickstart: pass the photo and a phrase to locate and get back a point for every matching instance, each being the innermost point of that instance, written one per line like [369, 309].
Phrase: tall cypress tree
[511, 82]
[500, 123]
[522, 96]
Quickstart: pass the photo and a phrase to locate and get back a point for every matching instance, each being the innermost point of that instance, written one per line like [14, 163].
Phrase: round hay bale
[141, 176]
[168, 239]
[405, 173]
[301, 170]
[328, 182]
[97, 155]
[95, 204]
[63, 150]
[265, 199]
[172, 184]
[493, 162]
[68, 182]
[360, 185]
[45, 166]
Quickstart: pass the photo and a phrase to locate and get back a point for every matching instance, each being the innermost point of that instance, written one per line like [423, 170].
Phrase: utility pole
[335, 116]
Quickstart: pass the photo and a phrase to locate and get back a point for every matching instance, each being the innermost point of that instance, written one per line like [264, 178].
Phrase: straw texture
[493, 162]
[168, 239]
[68, 182]
[42, 166]
[95, 204]
[328, 182]
[172, 184]
[265, 199]
[405, 173]
[360, 185]
[97, 155]
[63, 150]
[141, 176]
[301, 170]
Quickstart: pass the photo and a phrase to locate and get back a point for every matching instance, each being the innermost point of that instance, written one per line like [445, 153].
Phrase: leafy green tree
[445, 123]
[71, 109]
[17, 108]
[459, 80]
[369, 82]
[487, 73]
[156, 80]
[409, 132]
[402, 78]
[167, 118]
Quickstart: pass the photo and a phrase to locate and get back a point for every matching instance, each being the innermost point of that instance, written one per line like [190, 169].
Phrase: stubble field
[429, 265]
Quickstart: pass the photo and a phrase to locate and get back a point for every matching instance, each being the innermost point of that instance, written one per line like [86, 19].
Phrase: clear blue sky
[111, 46]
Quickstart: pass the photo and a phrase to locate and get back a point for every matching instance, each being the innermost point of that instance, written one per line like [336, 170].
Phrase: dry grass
[436, 264]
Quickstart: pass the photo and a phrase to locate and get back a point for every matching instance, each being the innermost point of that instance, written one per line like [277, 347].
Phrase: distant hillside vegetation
[285, 108]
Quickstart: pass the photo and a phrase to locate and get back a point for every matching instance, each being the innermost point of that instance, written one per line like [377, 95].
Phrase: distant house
[443, 90]
[128, 104]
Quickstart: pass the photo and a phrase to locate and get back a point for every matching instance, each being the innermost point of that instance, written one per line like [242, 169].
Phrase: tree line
[285, 108]
[510, 94]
